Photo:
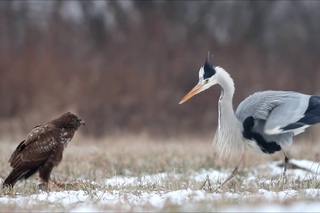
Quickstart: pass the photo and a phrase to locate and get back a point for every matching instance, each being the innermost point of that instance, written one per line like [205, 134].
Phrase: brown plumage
[42, 149]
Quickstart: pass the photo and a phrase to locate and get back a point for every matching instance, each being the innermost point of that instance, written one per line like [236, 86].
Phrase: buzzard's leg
[44, 174]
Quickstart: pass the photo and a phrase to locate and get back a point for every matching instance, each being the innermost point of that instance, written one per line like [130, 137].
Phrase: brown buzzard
[42, 149]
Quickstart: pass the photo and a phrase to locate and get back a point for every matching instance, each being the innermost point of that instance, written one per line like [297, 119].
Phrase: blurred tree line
[125, 65]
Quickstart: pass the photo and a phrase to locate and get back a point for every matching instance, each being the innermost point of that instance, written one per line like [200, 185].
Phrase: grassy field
[89, 164]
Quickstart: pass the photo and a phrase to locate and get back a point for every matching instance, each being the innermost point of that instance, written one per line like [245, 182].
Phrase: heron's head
[207, 78]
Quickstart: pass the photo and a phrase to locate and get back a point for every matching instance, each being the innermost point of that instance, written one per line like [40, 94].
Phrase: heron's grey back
[273, 109]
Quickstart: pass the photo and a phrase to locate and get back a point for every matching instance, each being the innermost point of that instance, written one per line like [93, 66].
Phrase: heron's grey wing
[273, 110]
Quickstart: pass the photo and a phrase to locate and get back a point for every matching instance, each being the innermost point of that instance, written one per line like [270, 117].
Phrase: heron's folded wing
[287, 114]
[277, 108]
[273, 110]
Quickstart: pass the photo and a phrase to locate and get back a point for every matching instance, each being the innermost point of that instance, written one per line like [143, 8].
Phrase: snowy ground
[186, 199]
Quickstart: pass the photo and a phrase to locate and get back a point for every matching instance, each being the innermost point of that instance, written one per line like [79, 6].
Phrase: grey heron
[265, 121]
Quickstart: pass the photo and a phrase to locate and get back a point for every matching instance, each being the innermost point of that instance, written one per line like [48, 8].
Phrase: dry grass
[139, 155]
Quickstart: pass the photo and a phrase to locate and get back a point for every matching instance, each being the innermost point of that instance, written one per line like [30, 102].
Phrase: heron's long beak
[193, 92]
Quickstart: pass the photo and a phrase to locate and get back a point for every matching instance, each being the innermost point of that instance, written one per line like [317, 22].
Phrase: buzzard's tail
[13, 177]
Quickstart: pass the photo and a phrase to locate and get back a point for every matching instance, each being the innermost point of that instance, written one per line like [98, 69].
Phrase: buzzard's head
[69, 121]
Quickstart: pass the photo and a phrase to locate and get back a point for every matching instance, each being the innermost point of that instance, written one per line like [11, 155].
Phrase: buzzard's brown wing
[31, 153]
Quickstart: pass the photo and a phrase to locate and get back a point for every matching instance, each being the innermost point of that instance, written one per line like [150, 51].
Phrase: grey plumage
[272, 110]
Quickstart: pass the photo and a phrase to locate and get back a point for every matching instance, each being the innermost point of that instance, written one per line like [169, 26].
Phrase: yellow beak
[193, 92]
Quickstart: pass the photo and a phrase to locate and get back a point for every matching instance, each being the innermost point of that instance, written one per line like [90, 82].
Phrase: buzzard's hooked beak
[82, 122]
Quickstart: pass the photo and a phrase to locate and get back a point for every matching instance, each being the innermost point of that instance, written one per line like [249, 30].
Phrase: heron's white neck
[226, 82]
[226, 96]
[229, 132]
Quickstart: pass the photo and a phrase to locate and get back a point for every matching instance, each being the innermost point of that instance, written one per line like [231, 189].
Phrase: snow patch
[93, 201]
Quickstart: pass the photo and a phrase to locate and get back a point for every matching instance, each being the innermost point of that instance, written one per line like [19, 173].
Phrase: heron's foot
[203, 186]
[284, 177]
[234, 172]
[284, 174]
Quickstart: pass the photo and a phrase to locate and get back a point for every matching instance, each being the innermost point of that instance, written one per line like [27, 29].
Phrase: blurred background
[123, 66]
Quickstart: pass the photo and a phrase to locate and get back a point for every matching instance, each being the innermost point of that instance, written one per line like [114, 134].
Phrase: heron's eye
[206, 80]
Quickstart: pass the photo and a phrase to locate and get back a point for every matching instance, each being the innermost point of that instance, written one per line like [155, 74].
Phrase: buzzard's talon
[44, 186]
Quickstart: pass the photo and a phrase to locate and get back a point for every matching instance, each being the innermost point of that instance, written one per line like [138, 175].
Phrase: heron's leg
[286, 161]
[234, 172]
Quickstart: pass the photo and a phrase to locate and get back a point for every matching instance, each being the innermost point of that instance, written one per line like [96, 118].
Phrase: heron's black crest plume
[208, 67]
[210, 58]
